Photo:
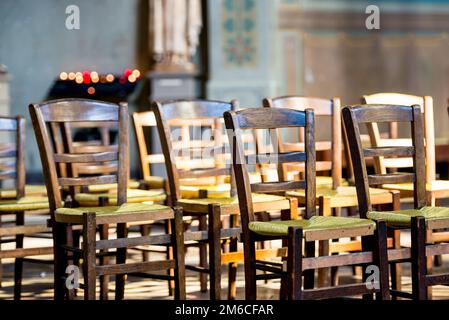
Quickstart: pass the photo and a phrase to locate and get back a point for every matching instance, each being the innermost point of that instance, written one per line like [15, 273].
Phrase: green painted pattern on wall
[239, 33]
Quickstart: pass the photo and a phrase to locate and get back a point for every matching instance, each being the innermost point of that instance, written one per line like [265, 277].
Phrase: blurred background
[234, 49]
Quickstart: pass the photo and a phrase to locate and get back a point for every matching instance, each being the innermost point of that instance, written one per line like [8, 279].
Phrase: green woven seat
[213, 191]
[154, 182]
[30, 190]
[402, 218]
[316, 223]
[24, 204]
[323, 181]
[75, 214]
[257, 197]
[133, 196]
[100, 188]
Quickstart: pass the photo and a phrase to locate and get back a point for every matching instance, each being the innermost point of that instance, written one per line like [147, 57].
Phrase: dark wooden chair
[17, 203]
[78, 110]
[295, 232]
[423, 221]
[333, 192]
[211, 206]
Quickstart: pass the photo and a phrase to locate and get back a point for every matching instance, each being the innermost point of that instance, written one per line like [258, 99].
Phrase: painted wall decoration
[239, 31]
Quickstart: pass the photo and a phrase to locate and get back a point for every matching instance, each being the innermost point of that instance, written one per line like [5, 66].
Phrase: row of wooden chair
[204, 190]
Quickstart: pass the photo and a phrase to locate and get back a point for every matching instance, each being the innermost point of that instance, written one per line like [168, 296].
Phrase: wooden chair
[22, 205]
[63, 218]
[333, 193]
[293, 231]
[102, 194]
[435, 189]
[422, 220]
[206, 115]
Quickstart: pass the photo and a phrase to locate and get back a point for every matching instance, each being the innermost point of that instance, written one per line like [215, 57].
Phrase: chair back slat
[270, 119]
[54, 122]
[321, 108]
[143, 120]
[364, 114]
[12, 154]
[187, 119]
[379, 179]
[86, 181]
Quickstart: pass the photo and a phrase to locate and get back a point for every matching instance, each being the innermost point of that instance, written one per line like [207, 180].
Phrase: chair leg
[89, 258]
[396, 269]
[170, 256]
[323, 246]
[214, 228]
[294, 263]
[122, 232]
[18, 262]
[104, 280]
[250, 268]
[179, 250]
[232, 267]
[1, 264]
[145, 231]
[309, 275]
[60, 259]
[203, 255]
[367, 245]
[419, 267]
[380, 254]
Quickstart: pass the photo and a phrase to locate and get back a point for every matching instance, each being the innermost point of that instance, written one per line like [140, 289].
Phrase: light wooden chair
[63, 219]
[17, 202]
[423, 220]
[207, 117]
[293, 231]
[331, 193]
[435, 188]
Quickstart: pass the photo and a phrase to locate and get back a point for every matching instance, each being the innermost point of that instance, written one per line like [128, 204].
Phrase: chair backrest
[101, 144]
[392, 137]
[270, 119]
[12, 155]
[68, 112]
[141, 121]
[322, 108]
[180, 124]
[366, 114]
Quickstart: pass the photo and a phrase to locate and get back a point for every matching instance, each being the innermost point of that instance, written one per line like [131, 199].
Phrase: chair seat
[133, 196]
[100, 188]
[257, 197]
[436, 185]
[75, 215]
[154, 182]
[213, 191]
[402, 218]
[30, 190]
[254, 177]
[344, 196]
[315, 223]
[24, 204]
[327, 181]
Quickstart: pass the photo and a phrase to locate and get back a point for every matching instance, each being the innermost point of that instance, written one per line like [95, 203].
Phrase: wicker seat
[100, 188]
[133, 196]
[316, 223]
[75, 215]
[403, 218]
[346, 196]
[30, 190]
[24, 204]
